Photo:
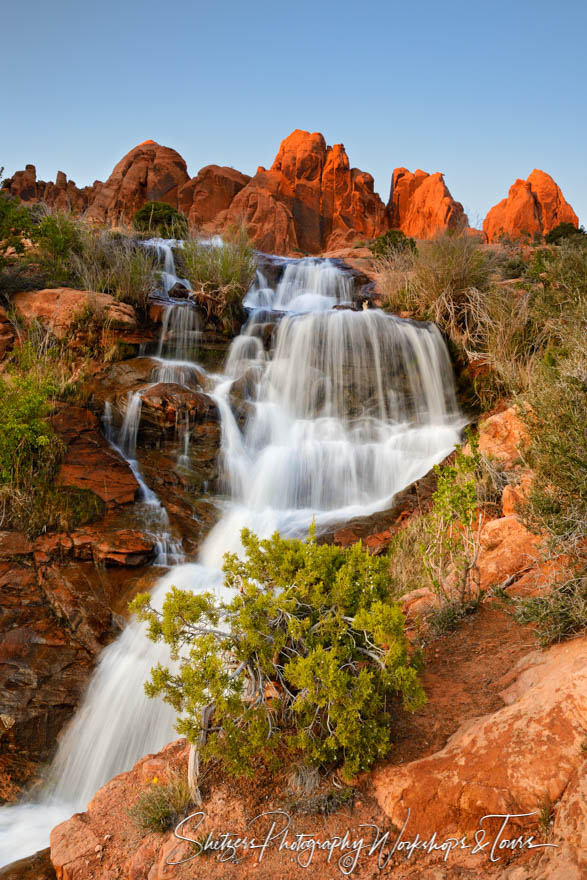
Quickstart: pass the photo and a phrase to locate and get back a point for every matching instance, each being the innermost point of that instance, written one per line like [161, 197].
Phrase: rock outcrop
[421, 205]
[147, 173]
[309, 200]
[511, 761]
[63, 195]
[57, 309]
[532, 208]
[210, 193]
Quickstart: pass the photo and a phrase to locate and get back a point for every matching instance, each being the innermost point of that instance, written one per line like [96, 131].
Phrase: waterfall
[305, 286]
[346, 409]
[180, 333]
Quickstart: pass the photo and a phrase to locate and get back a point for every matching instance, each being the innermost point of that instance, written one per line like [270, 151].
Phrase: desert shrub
[564, 231]
[162, 805]
[450, 548]
[436, 279]
[30, 451]
[15, 226]
[115, 264]
[58, 237]
[559, 614]
[220, 275]
[160, 219]
[307, 655]
[557, 453]
[439, 547]
[391, 241]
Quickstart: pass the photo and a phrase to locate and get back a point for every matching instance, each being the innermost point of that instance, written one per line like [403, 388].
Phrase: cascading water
[304, 286]
[346, 409]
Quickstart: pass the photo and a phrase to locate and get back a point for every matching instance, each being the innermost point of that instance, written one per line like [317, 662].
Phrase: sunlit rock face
[149, 172]
[532, 208]
[310, 199]
[421, 205]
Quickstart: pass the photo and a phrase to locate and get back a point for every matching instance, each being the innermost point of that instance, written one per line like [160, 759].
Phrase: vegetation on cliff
[309, 653]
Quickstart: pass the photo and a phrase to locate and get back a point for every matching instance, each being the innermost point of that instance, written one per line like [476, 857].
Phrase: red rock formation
[421, 205]
[148, 172]
[209, 193]
[309, 200]
[63, 195]
[532, 208]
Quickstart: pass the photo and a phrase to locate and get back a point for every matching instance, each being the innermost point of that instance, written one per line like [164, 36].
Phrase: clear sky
[482, 91]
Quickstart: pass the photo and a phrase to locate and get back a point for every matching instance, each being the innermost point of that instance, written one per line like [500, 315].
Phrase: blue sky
[482, 91]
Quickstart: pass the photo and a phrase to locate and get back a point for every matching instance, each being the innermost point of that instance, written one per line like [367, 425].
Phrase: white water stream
[346, 409]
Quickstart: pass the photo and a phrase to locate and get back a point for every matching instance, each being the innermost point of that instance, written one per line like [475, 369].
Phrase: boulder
[503, 436]
[506, 548]
[167, 405]
[421, 205]
[507, 762]
[59, 308]
[149, 172]
[532, 208]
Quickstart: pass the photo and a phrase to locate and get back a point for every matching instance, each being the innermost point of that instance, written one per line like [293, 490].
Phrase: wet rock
[59, 308]
[532, 208]
[43, 667]
[89, 462]
[35, 867]
[179, 291]
[166, 406]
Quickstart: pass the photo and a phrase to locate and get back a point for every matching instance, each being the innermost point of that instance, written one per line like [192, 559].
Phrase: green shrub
[564, 231]
[15, 226]
[160, 219]
[58, 237]
[391, 241]
[307, 655]
[439, 547]
[162, 805]
[30, 451]
[557, 453]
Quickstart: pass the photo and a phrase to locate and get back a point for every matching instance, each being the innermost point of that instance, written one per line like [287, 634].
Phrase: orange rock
[514, 495]
[503, 436]
[149, 172]
[507, 547]
[211, 192]
[310, 200]
[505, 762]
[58, 308]
[421, 205]
[532, 208]
[62, 195]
